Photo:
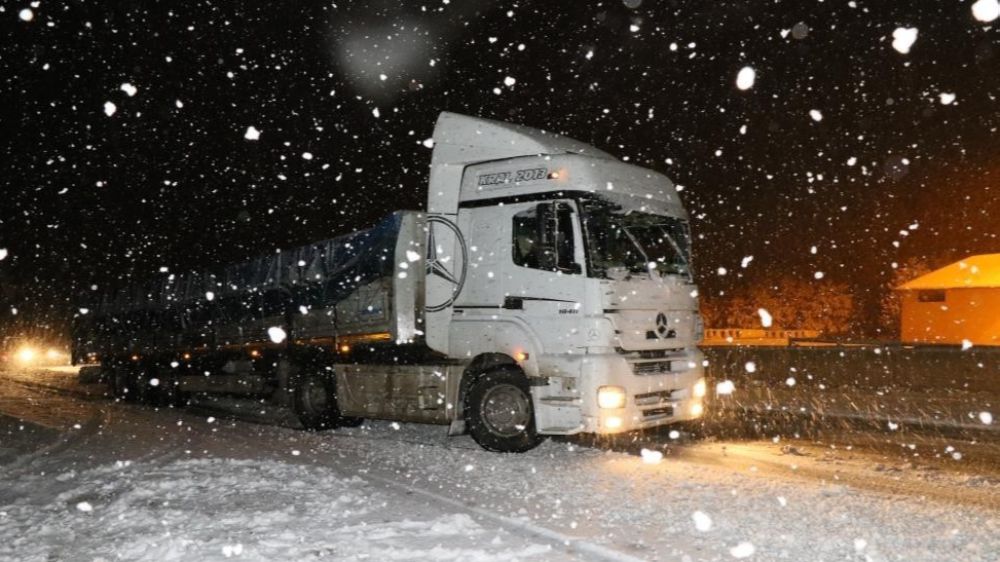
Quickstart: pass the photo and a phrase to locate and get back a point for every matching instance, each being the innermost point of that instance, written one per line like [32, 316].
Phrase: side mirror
[555, 244]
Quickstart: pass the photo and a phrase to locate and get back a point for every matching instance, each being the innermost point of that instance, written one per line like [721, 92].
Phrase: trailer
[545, 290]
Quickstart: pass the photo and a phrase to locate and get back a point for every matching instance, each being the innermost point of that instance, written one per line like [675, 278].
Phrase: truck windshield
[626, 242]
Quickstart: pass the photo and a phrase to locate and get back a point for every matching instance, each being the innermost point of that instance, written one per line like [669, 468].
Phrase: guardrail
[755, 336]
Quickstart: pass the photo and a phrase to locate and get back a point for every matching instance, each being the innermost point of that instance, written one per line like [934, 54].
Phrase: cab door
[543, 281]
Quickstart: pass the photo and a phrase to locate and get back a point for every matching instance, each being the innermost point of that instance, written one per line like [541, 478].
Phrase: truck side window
[525, 234]
[543, 238]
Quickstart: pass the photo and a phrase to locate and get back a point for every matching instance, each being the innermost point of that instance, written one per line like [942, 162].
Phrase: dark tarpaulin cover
[315, 275]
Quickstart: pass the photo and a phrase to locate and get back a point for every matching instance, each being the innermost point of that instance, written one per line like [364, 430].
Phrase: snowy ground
[84, 478]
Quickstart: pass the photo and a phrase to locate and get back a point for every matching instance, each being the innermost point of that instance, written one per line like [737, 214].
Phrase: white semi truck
[546, 290]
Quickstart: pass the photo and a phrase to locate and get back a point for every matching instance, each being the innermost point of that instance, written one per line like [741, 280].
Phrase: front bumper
[656, 397]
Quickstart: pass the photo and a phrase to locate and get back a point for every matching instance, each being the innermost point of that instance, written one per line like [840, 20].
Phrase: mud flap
[457, 427]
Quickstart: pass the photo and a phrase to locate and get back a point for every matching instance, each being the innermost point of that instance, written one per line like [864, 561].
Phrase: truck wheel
[498, 412]
[315, 401]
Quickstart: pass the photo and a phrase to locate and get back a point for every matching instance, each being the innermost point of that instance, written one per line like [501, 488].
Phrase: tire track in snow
[574, 545]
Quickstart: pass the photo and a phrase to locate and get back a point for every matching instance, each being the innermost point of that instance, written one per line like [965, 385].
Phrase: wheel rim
[505, 410]
[315, 397]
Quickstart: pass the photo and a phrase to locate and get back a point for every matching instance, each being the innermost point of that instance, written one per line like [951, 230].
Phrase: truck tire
[315, 401]
[498, 412]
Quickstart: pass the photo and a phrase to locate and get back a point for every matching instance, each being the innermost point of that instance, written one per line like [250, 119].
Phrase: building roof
[972, 272]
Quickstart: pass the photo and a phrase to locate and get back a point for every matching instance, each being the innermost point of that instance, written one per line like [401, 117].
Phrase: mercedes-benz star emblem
[450, 269]
[662, 328]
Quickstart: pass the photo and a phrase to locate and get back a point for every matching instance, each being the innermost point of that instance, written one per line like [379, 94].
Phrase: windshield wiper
[680, 253]
[639, 247]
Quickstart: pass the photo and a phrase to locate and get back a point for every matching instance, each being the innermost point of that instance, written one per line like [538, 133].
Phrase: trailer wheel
[498, 412]
[315, 401]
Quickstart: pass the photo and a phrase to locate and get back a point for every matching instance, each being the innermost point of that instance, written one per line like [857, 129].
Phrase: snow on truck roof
[972, 272]
[461, 138]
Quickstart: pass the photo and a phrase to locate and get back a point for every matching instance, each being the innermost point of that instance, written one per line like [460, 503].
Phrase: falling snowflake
[509, 81]
[743, 550]
[946, 98]
[702, 521]
[26, 14]
[277, 334]
[903, 38]
[110, 108]
[725, 388]
[745, 78]
[765, 317]
[816, 115]
[983, 10]
[129, 89]
[252, 133]
[650, 456]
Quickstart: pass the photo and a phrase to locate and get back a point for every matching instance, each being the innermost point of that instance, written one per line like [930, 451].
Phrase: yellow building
[957, 303]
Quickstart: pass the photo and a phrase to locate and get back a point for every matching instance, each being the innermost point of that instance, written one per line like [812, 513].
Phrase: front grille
[653, 397]
[652, 367]
[662, 411]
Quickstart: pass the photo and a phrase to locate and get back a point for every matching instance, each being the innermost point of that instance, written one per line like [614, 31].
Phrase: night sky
[168, 180]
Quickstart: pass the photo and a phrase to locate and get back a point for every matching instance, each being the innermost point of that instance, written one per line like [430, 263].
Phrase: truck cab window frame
[555, 245]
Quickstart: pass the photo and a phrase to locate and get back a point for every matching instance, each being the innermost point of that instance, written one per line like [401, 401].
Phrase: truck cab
[573, 264]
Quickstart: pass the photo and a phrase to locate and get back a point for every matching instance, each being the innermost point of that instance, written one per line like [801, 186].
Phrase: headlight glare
[610, 397]
[700, 388]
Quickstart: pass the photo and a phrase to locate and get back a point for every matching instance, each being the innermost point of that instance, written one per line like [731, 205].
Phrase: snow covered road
[114, 481]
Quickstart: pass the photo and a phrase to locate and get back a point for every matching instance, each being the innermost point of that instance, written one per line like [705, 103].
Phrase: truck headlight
[610, 397]
[700, 388]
